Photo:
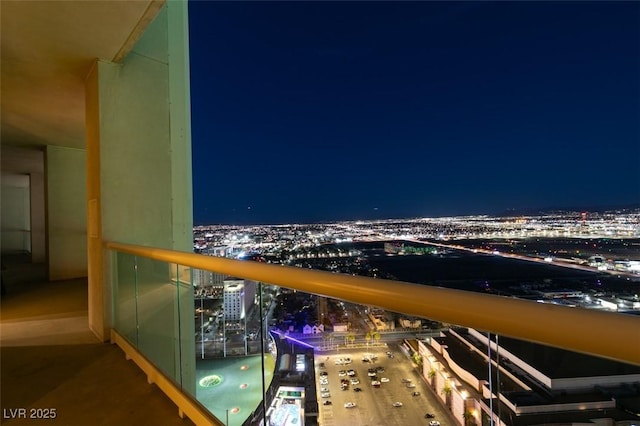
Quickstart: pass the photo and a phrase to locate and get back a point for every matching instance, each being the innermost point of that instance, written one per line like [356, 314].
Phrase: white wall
[66, 186]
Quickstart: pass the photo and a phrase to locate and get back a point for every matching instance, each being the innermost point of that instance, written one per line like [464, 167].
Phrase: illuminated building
[239, 297]
[527, 383]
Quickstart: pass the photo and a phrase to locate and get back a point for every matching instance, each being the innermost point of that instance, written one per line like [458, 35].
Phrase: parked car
[415, 394]
[384, 380]
[411, 385]
[327, 402]
[397, 404]
[349, 404]
[429, 416]
[434, 423]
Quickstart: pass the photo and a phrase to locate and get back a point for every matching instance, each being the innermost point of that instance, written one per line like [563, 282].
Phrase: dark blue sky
[336, 110]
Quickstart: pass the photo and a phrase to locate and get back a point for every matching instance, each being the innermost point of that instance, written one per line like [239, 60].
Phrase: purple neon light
[294, 339]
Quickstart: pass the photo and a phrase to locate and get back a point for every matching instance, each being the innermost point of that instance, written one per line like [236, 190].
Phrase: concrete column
[139, 169]
[98, 294]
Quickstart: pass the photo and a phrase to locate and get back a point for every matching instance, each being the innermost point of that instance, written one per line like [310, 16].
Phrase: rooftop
[558, 363]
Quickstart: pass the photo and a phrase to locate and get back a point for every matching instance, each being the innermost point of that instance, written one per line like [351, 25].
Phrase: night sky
[307, 112]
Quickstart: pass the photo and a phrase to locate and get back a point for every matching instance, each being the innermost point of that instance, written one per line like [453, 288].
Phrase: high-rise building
[208, 279]
[239, 298]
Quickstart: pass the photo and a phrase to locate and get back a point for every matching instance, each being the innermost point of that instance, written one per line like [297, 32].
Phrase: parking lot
[368, 387]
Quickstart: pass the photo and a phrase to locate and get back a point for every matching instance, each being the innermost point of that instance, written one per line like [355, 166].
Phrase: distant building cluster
[606, 242]
[230, 240]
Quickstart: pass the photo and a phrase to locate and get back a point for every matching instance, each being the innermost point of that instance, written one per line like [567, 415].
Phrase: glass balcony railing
[245, 340]
[153, 310]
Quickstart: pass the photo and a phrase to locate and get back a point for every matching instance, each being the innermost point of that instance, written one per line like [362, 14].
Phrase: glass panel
[208, 299]
[351, 354]
[230, 341]
[187, 365]
[158, 315]
[230, 353]
[124, 289]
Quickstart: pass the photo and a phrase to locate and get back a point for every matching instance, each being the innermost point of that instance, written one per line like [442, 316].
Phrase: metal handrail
[604, 334]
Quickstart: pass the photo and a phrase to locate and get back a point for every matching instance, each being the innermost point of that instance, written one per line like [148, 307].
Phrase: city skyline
[310, 112]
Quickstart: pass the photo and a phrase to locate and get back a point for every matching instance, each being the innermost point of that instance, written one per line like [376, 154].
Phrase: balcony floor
[50, 360]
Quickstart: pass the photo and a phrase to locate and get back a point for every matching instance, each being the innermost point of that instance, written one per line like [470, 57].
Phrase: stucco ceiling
[47, 50]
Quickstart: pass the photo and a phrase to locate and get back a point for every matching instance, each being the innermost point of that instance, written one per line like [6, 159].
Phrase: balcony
[52, 361]
[154, 315]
